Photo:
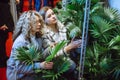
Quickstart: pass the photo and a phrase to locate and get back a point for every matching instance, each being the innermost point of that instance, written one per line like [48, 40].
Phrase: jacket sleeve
[27, 69]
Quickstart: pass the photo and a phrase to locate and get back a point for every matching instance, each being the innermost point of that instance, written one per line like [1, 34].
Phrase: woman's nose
[39, 24]
[54, 17]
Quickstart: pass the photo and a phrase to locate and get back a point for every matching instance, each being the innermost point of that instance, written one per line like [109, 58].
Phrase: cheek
[33, 30]
[48, 21]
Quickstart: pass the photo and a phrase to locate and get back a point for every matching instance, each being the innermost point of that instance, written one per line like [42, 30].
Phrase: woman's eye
[49, 16]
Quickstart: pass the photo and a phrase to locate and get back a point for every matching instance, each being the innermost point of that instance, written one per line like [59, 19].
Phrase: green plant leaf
[54, 51]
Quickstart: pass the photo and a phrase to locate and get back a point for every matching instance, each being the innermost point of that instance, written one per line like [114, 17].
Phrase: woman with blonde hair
[54, 32]
[27, 32]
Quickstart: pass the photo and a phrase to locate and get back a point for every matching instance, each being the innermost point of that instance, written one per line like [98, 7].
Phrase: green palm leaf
[102, 24]
[28, 55]
[54, 50]
[117, 74]
[112, 14]
[116, 68]
[75, 32]
[115, 40]
[101, 28]
[58, 69]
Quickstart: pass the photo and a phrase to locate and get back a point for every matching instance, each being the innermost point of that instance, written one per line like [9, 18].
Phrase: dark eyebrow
[48, 15]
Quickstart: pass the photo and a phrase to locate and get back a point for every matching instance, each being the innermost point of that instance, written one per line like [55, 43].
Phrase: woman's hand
[53, 45]
[73, 45]
[46, 65]
[4, 27]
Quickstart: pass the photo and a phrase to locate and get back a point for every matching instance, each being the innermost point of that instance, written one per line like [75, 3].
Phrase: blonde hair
[26, 21]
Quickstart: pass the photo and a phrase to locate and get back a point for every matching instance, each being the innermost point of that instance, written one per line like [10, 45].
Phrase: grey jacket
[17, 70]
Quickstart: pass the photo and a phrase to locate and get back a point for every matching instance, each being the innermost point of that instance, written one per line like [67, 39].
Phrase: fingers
[72, 39]
[4, 27]
[48, 65]
[53, 44]
[75, 44]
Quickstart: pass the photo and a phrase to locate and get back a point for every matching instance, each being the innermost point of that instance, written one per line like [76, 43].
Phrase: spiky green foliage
[116, 69]
[61, 65]
[103, 43]
[103, 51]
[103, 46]
[54, 50]
[102, 31]
[72, 18]
[114, 41]
[29, 55]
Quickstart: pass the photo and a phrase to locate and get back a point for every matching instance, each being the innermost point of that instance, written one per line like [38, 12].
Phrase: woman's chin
[54, 22]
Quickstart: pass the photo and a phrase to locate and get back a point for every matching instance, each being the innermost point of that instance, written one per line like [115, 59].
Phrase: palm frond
[116, 69]
[78, 1]
[96, 8]
[115, 40]
[112, 14]
[75, 32]
[101, 28]
[102, 24]
[58, 69]
[117, 74]
[54, 50]
[28, 55]
[104, 64]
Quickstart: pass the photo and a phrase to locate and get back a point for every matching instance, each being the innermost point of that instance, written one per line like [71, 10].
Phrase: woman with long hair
[27, 32]
[53, 33]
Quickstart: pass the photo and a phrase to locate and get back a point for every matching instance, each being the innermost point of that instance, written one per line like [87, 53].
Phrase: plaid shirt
[50, 37]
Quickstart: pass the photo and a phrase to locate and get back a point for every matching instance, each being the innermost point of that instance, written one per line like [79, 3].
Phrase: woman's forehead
[37, 18]
[49, 11]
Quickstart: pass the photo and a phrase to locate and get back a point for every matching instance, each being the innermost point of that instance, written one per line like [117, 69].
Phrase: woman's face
[37, 26]
[50, 17]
